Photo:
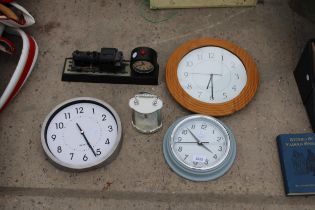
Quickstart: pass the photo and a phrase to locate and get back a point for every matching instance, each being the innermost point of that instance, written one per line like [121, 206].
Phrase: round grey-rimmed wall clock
[81, 134]
[199, 148]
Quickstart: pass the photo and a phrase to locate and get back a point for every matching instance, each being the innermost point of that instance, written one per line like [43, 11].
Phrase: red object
[9, 46]
[26, 69]
[142, 52]
[6, 1]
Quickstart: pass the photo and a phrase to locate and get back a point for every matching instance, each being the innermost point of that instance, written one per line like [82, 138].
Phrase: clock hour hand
[88, 143]
[198, 141]
[210, 80]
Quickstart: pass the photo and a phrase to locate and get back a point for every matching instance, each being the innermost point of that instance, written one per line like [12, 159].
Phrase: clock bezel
[213, 109]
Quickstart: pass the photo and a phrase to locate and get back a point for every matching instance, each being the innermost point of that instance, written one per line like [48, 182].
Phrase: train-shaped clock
[109, 66]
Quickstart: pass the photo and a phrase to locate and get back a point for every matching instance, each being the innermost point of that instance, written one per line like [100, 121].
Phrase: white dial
[200, 143]
[81, 133]
[212, 74]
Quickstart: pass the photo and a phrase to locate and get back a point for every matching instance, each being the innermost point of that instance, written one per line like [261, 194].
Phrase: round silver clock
[199, 148]
[81, 134]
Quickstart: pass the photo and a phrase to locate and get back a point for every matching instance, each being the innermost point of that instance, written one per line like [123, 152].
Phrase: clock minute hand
[195, 137]
[212, 87]
[198, 141]
[88, 143]
[205, 73]
[203, 142]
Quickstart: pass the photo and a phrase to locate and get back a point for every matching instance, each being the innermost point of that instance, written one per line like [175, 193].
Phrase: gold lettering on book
[297, 142]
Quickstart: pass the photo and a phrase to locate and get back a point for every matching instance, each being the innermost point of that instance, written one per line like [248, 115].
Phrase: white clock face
[212, 74]
[200, 143]
[82, 134]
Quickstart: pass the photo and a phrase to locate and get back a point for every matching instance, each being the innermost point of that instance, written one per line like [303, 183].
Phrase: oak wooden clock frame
[214, 109]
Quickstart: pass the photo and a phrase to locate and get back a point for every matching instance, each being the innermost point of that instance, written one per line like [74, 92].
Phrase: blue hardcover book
[297, 158]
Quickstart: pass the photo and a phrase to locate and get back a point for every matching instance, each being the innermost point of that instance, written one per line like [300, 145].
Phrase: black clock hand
[88, 143]
[203, 142]
[210, 80]
[198, 141]
[205, 73]
[212, 87]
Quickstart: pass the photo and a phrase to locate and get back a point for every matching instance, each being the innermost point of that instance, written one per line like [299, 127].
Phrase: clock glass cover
[199, 143]
[212, 74]
[143, 66]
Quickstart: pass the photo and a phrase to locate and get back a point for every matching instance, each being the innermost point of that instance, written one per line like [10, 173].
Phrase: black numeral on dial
[59, 150]
[67, 115]
[189, 87]
[79, 110]
[59, 125]
[189, 63]
[85, 158]
[186, 156]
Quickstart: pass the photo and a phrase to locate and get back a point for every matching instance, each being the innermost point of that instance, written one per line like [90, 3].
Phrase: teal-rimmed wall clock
[199, 148]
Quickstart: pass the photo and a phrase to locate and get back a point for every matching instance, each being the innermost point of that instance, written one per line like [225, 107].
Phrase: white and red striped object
[28, 54]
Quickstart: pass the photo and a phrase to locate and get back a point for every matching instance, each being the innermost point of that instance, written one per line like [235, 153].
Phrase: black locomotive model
[109, 59]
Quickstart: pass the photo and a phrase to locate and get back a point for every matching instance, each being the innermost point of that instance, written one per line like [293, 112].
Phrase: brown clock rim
[215, 109]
